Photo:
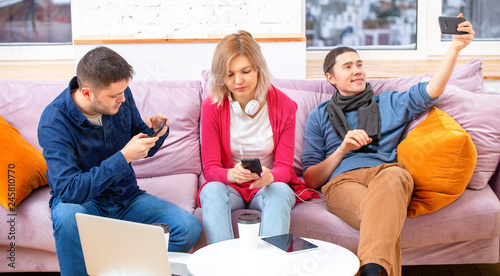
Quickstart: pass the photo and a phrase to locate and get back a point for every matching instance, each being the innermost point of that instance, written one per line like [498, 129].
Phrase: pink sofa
[466, 231]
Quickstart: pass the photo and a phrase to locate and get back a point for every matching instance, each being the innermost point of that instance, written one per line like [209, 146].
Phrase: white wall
[177, 61]
[191, 19]
[186, 18]
[492, 86]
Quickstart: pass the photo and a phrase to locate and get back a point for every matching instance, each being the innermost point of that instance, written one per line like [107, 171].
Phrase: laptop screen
[118, 247]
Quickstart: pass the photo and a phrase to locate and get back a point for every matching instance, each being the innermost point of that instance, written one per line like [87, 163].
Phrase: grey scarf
[368, 114]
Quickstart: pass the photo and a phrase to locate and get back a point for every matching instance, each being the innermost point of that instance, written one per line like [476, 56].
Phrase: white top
[252, 137]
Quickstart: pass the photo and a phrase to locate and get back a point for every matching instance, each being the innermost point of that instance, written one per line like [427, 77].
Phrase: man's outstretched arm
[438, 82]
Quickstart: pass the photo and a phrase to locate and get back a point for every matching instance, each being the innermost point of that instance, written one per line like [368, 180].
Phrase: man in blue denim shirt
[89, 134]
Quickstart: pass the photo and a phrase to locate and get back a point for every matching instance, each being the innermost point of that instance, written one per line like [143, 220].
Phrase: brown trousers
[375, 201]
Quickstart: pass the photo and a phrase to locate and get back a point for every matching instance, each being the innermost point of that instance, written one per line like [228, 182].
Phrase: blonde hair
[230, 47]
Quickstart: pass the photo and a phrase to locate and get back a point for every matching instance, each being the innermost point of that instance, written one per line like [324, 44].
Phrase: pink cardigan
[216, 146]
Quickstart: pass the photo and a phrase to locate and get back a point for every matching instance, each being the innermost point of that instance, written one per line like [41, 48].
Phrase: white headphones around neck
[251, 108]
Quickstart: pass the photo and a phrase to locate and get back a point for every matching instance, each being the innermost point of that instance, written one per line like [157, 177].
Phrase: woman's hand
[266, 178]
[238, 174]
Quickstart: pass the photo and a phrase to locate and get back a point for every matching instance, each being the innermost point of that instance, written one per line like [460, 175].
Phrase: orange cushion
[22, 167]
[441, 157]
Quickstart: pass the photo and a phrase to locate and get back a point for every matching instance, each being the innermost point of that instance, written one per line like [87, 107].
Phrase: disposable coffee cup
[248, 228]
[166, 231]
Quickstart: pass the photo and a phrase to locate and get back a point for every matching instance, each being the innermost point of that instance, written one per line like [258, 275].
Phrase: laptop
[118, 247]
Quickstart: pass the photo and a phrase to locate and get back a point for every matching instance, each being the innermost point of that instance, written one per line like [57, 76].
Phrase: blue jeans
[146, 208]
[218, 200]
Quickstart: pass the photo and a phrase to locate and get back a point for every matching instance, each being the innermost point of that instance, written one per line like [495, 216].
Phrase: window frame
[429, 44]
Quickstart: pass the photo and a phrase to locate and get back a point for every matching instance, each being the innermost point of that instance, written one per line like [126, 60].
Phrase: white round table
[226, 258]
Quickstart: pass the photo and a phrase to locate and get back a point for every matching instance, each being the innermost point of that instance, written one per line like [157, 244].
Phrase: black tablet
[290, 243]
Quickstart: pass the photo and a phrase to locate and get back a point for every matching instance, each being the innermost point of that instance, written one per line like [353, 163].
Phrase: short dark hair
[101, 67]
[331, 57]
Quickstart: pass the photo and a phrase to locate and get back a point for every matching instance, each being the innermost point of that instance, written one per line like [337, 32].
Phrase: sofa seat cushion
[482, 251]
[179, 189]
[33, 225]
[474, 215]
[323, 225]
[29, 259]
[33, 228]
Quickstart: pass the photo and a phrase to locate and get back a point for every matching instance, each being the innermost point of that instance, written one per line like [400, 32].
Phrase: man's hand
[461, 41]
[440, 79]
[354, 140]
[138, 147]
[153, 121]
[317, 175]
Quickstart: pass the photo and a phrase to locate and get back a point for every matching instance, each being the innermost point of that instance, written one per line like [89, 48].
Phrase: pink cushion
[22, 103]
[468, 76]
[306, 102]
[181, 102]
[479, 115]
[476, 112]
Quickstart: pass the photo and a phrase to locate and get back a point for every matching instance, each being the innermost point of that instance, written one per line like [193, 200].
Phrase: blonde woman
[246, 117]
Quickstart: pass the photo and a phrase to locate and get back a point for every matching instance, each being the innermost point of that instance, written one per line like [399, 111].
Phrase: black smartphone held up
[252, 164]
[158, 128]
[449, 24]
[290, 243]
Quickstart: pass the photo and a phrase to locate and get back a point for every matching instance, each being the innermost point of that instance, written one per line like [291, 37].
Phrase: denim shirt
[84, 161]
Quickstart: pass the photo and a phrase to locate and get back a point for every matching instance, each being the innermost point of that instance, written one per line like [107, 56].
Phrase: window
[371, 24]
[35, 22]
[482, 14]
[33, 30]
[422, 41]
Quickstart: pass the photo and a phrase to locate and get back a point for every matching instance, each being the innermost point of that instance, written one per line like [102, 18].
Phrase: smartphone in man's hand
[158, 128]
[449, 24]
